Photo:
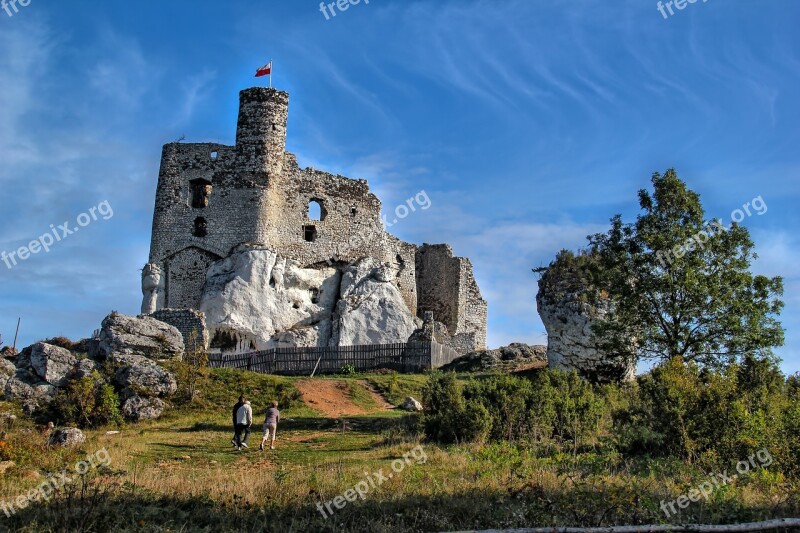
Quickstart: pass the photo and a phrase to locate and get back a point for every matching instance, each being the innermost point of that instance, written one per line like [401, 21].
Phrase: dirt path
[332, 398]
[377, 396]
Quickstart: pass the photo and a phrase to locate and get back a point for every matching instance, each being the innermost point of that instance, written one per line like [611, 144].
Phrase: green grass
[180, 473]
[396, 387]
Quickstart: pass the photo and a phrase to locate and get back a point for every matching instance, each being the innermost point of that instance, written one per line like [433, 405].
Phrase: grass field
[181, 473]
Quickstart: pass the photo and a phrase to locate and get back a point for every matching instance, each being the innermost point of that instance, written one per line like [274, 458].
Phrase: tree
[680, 285]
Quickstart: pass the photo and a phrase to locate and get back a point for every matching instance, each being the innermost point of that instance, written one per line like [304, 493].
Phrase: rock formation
[569, 307]
[511, 357]
[129, 345]
[256, 299]
[143, 335]
[51, 363]
[67, 437]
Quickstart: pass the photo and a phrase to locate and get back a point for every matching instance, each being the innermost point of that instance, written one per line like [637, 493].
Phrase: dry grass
[181, 473]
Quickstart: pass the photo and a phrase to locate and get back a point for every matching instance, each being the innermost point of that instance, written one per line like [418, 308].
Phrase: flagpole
[271, 66]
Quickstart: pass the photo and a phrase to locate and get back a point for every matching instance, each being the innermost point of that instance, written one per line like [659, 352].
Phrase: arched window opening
[316, 210]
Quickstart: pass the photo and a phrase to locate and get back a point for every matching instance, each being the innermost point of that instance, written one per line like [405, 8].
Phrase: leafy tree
[680, 285]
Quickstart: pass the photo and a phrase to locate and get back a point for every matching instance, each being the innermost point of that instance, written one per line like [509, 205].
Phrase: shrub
[348, 370]
[448, 418]
[88, 402]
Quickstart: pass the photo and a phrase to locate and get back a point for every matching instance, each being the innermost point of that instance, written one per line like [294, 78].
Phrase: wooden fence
[402, 357]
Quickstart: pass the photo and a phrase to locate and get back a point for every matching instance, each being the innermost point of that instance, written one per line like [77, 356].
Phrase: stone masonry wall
[186, 321]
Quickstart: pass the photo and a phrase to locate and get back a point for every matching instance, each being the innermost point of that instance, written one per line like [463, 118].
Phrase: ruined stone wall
[186, 321]
[438, 283]
[446, 286]
[212, 198]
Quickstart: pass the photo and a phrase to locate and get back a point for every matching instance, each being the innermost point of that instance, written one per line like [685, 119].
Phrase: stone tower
[212, 198]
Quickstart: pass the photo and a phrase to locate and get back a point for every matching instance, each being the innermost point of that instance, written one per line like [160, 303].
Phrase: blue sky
[528, 123]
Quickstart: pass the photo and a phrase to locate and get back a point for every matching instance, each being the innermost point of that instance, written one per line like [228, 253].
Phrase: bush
[448, 418]
[88, 402]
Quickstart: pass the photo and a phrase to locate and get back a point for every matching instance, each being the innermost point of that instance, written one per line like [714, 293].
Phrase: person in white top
[242, 420]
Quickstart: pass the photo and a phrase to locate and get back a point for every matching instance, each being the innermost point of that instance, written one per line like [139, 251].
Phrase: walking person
[236, 407]
[271, 425]
[242, 420]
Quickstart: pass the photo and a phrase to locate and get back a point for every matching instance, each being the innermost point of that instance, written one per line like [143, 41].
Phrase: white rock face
[371, 309]
[261, 300]
[255, 300]
[568, 320]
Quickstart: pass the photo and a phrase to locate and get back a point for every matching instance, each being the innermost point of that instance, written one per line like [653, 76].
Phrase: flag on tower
[266, 70]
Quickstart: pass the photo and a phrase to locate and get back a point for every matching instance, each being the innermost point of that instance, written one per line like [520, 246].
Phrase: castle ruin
[278, 255]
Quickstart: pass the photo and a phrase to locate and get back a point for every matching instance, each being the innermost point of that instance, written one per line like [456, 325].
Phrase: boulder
[371, 309]
[142, 335]
[141, 376]
[23, 359]
[84, 367]
[30, 392]
[410, 404]
[67, 437]
[137, 408]
[52, 363]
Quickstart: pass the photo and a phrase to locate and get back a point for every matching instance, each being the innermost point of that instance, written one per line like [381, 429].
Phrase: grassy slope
[181, 473]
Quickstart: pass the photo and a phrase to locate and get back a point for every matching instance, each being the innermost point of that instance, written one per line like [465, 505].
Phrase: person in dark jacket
[242, 420]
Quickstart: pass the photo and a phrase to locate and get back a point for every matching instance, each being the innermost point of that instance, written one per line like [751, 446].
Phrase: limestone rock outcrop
[255, 299]
[569, 307]
[515, 355]
[371, 310]
[141, 376]
[142, 335]
[52, 363]
[29, 391]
